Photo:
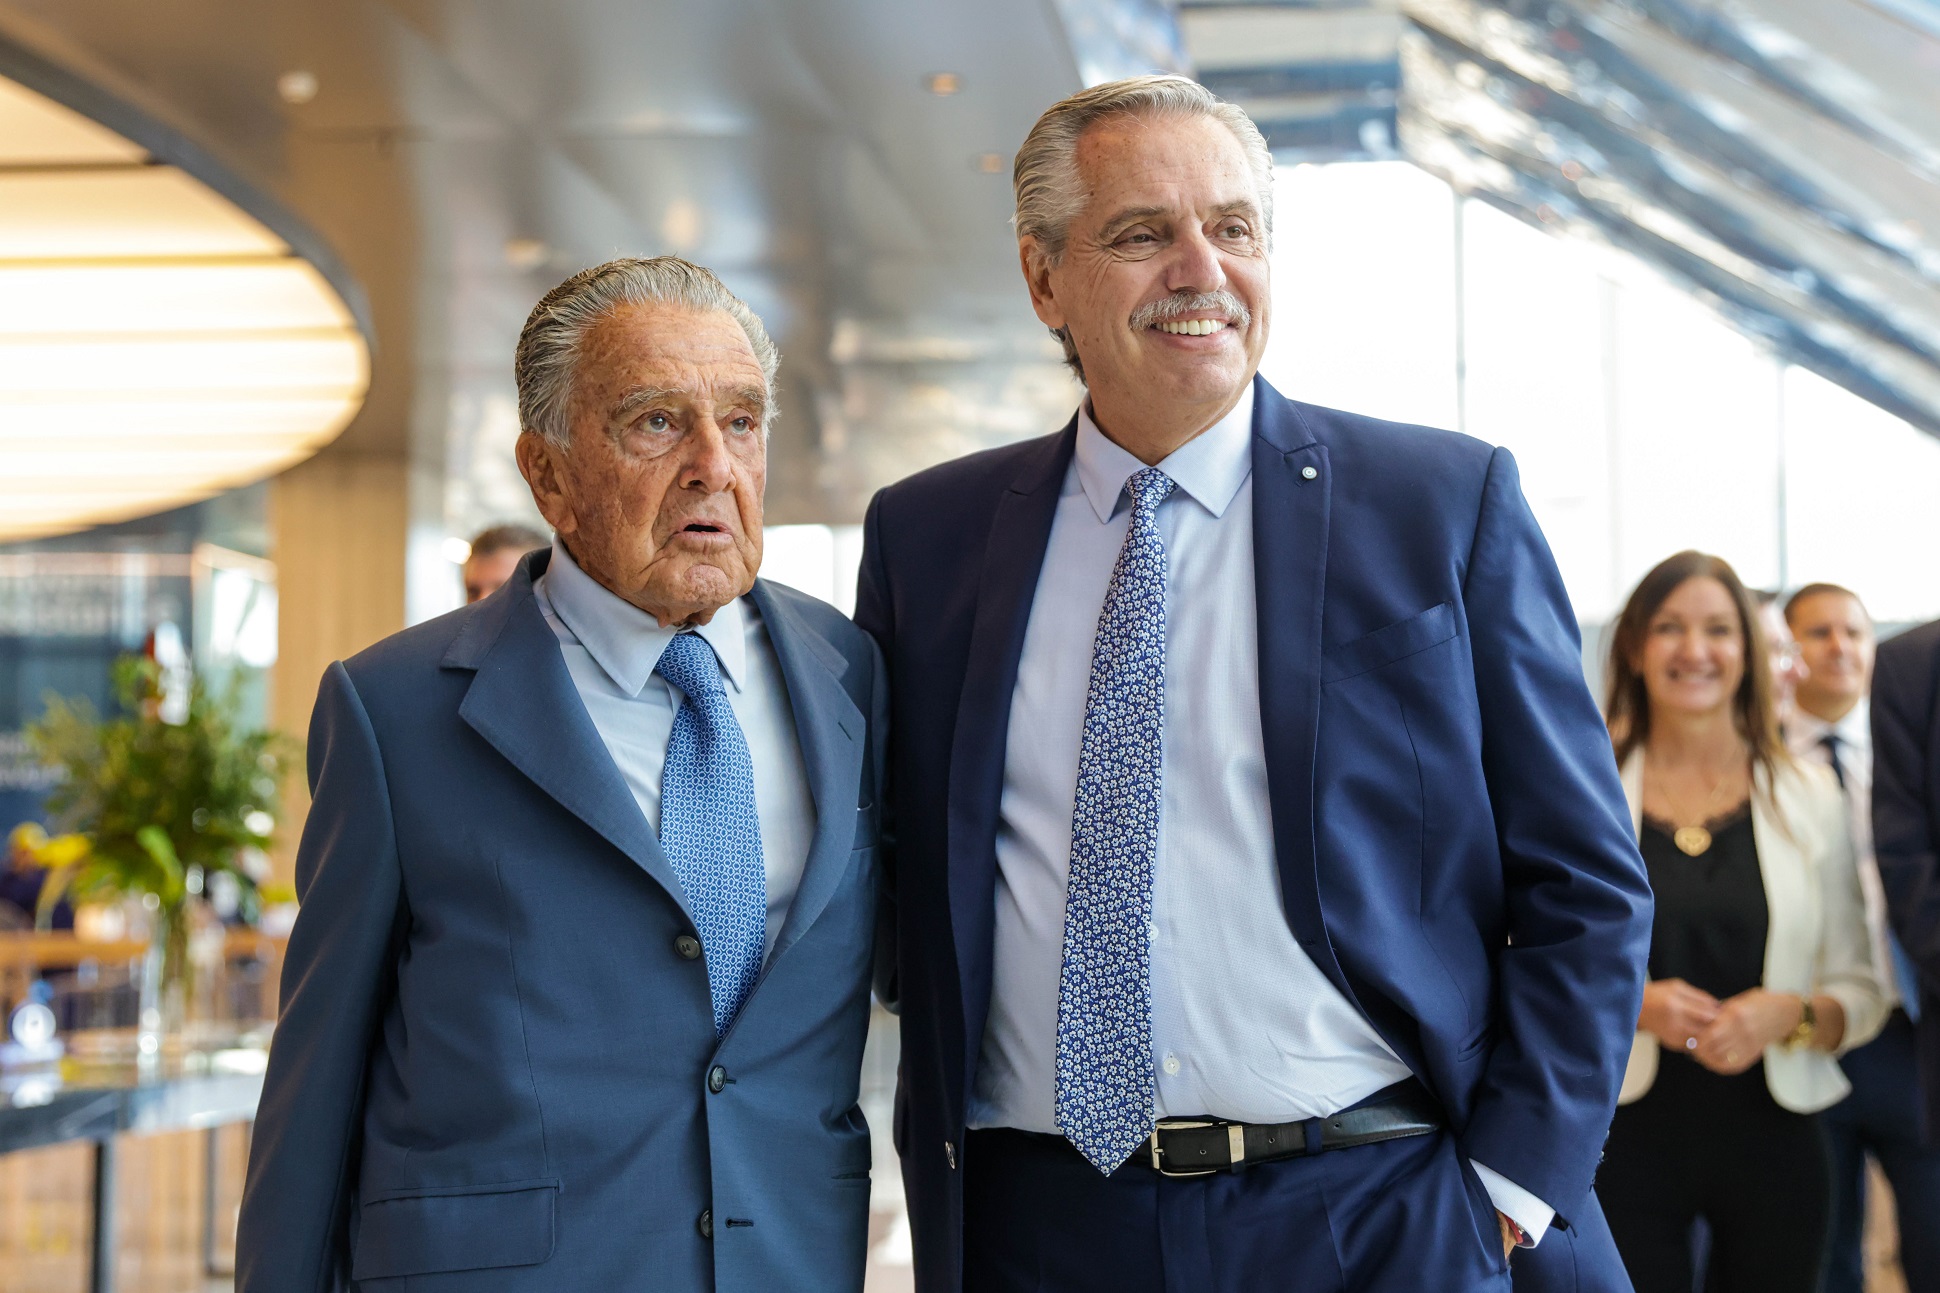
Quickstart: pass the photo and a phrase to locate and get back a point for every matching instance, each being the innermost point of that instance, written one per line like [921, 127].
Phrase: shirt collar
[624, 640]
[1855, 730]
[1210, 467]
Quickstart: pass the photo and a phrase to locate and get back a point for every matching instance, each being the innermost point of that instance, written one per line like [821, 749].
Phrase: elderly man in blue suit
[590, 883]
[1270, 916]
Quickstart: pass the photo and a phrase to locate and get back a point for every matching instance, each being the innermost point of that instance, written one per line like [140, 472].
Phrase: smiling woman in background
[1760, 971]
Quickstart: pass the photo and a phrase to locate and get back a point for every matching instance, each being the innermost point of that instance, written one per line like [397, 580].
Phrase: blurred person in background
[21, 879]
[494, 556]
[1761, 968]
[1235, 738]
[1788, 666]
[1906, 832]
[577, 995]
[1881, 1117]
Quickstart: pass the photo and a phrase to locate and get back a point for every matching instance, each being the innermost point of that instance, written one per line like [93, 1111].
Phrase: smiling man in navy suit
[1269, 912]
[578, 992]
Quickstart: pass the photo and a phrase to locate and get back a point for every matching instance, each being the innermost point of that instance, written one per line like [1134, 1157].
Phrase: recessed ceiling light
[680, 225]
[297, 87]
[526, 253]
[944, 83]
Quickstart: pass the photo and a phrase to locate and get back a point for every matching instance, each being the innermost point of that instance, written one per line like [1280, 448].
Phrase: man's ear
[539, 462]
[1037, 276]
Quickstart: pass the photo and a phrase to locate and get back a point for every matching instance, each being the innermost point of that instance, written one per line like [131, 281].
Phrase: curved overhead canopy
[158, 344]
[1779, 157]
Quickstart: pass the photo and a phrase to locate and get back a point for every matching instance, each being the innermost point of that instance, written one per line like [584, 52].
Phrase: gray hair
[1050, 191]
[548, 351]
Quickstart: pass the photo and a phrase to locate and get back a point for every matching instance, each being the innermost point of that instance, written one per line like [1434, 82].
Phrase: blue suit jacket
[491, 1071]
[1454, 849]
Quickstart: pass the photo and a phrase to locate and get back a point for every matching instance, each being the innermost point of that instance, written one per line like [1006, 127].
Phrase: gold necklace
[1693, 840]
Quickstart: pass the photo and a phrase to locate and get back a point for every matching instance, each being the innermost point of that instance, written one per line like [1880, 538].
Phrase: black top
[1709, 928]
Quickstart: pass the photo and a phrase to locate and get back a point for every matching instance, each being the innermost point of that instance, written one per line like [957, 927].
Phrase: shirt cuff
[1516, 1203]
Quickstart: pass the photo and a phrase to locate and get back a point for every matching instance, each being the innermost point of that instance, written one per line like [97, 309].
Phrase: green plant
[156, 807]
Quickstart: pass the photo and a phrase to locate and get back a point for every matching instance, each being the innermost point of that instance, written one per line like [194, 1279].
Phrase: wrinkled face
[658, 495]
[1835, 637]
[1163, 282]
[486, 573]
[1693, 656]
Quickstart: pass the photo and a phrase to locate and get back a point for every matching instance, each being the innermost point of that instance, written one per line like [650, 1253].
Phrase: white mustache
[1173, 308]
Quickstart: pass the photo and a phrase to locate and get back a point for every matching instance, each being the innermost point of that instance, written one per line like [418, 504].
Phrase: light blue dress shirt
[1244, 1024]
[611, 648]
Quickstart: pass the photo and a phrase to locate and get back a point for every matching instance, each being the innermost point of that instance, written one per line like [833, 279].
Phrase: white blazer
[1816, 939]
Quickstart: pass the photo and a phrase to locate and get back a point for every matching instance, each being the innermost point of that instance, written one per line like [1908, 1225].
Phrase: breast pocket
[1384, 646]
[464, 1228]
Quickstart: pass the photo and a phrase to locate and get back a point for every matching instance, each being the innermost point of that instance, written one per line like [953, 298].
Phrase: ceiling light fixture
[157, 344]
[944, 84]
[297, 87]
[526, 253]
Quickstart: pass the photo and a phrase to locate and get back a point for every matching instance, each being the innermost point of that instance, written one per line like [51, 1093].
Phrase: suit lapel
[831, 732]
[522, 700]
[1020, 530]
[1290, 534]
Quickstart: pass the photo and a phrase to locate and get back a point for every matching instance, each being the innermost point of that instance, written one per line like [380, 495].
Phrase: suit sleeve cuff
[1516, 1203]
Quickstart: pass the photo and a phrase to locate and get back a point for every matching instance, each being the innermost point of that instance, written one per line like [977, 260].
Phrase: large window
[1643, 423]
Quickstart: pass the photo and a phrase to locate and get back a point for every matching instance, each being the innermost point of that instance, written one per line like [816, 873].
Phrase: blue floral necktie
[1104, 1067]
[708, 825]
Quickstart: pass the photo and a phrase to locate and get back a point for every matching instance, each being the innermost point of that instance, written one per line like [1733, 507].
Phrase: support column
[338, 526]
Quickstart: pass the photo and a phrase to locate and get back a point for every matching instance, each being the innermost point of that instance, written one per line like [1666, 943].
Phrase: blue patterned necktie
[708, 825]
[1104, 1069]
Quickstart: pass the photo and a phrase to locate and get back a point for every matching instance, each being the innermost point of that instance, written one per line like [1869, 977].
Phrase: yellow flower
[29, 841]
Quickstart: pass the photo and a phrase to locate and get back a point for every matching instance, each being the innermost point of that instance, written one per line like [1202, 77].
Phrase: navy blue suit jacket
[1906, 824]
[491, 1070]
[1454, 849]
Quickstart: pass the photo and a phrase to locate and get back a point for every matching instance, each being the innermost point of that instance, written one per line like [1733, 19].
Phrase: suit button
[1309, 473]
[716, 1079]
[706, 1224]
[688, 946]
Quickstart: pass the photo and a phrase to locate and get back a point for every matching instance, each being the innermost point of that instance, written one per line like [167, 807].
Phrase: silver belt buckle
[1235, 1145]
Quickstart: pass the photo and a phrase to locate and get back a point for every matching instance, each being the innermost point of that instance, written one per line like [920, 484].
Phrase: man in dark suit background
[1831, 725]
[494, 555]
[1906, 827]
[1269, 912]
[578, 992]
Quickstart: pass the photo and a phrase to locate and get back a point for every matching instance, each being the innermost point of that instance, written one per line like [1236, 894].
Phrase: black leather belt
[1202, 1146]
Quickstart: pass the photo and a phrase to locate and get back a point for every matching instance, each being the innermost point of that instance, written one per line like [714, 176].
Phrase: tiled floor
[44, 1228]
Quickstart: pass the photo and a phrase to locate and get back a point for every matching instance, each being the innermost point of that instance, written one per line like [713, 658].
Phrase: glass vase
[165, 980]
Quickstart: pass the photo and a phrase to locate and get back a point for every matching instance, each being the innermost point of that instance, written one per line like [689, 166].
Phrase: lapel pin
[1309, 473]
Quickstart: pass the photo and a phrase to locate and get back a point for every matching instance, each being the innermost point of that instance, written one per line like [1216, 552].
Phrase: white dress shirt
[611, 648]
[1244, 1025]
[1805, 733]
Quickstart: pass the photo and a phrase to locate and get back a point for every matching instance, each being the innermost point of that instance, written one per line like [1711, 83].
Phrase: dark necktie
[1831, 742]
